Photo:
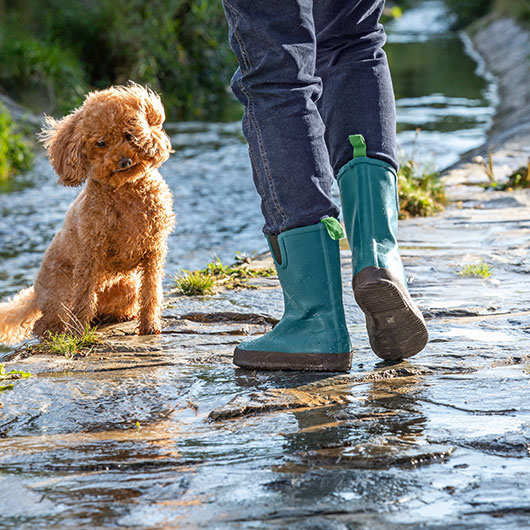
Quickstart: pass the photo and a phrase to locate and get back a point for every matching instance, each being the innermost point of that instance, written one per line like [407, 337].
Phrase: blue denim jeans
[310, 74]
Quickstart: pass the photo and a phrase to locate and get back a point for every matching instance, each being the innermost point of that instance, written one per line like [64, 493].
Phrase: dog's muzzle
[124, 163]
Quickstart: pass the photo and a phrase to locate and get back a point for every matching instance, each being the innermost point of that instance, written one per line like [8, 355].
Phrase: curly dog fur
[107, 260]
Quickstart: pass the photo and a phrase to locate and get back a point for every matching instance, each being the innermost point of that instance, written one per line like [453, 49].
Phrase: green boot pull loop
[334, 228]
[359, 145]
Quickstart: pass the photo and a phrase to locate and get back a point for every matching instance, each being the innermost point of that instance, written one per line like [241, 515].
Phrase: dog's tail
[17, 316]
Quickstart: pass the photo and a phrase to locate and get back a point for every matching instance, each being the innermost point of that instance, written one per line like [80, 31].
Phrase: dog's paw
[148, 329]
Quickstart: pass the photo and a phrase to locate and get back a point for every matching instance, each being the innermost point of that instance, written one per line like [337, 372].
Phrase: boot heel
[395, 326]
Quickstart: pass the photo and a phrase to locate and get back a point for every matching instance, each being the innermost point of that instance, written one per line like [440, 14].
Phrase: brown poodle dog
[107, 260]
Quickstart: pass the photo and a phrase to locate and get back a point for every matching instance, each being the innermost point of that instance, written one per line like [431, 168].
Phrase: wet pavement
[164, 432]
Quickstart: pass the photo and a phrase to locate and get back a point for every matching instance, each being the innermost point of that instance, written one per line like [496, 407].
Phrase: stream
[439, 87]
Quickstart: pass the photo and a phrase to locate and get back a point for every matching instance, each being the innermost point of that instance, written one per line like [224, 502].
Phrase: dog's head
[115, 137]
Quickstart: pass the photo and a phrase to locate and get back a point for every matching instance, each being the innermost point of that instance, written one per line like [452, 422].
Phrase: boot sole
[395, 328]
[269, 360]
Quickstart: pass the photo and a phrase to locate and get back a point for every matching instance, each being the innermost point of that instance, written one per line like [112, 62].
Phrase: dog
[106, 262]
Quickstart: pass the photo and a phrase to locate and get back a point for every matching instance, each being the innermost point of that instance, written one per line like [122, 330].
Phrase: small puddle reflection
[480, 335]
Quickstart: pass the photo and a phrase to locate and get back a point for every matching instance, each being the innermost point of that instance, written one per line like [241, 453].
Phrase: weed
[15, 154]
[235, 276]
[70, 344]
[518, 180]
[195, 283]
[481, 270]
[421, 193]
[10, 376]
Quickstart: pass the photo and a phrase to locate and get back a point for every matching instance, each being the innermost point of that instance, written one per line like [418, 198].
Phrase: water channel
[439, 89]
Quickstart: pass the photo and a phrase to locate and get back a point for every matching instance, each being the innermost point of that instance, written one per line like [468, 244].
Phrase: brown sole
[395, 327]
[315, 362]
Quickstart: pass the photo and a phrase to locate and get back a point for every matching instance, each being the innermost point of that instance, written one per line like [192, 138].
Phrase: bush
[467, 11]
[420, 191]
[15, 154]
[40, 68]
[177, 47]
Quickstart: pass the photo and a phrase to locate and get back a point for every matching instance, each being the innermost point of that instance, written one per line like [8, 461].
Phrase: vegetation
[518, 9]
[469, 11]
[421, 193]
[519, 179]
[201, 282]
[70, 344]
[15, 153]
[177, 47]
[40, 74]
[195, 283]
[7, 377]
[481, 270]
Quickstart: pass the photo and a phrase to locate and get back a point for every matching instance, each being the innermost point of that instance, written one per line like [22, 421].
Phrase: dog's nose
[125, 163]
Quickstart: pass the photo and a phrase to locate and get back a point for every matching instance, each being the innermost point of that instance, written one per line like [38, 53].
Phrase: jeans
[310, 74]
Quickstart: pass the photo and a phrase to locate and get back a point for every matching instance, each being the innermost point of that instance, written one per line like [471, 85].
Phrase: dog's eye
[129, 137]
[101, 143]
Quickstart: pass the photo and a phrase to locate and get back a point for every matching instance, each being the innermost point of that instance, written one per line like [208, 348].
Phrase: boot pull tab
[334, 228]
[359, 145]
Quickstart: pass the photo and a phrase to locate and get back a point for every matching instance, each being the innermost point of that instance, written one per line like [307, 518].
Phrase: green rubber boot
[312, 333]
[370, 206]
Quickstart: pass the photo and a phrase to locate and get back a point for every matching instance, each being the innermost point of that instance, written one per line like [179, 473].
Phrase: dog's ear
[154, 110]
[64, 141]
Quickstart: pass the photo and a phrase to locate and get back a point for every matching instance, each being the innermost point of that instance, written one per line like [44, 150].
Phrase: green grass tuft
[12, 375]
[195, 283]
[201, 282]
[69, 345]
[481, 270]
[421, 193]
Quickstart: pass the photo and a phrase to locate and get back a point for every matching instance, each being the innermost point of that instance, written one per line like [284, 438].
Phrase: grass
[12, 375]
[480, 270]
[421, 193]
[203, 281]
[518, 180]
[15, 153]
[71, 344]
[195, 283]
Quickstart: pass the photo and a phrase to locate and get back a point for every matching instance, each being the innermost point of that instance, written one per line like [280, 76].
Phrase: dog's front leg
[83, 307]
[152, 267]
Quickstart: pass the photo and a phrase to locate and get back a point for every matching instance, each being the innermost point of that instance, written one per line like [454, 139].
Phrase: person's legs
[358, 97]
[358, 100]
[274, 42]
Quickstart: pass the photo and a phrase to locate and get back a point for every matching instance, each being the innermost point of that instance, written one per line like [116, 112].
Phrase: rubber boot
[370, 206]
[312, 334]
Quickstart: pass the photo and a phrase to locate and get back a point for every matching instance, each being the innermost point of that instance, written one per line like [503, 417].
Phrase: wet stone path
[165, 432]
